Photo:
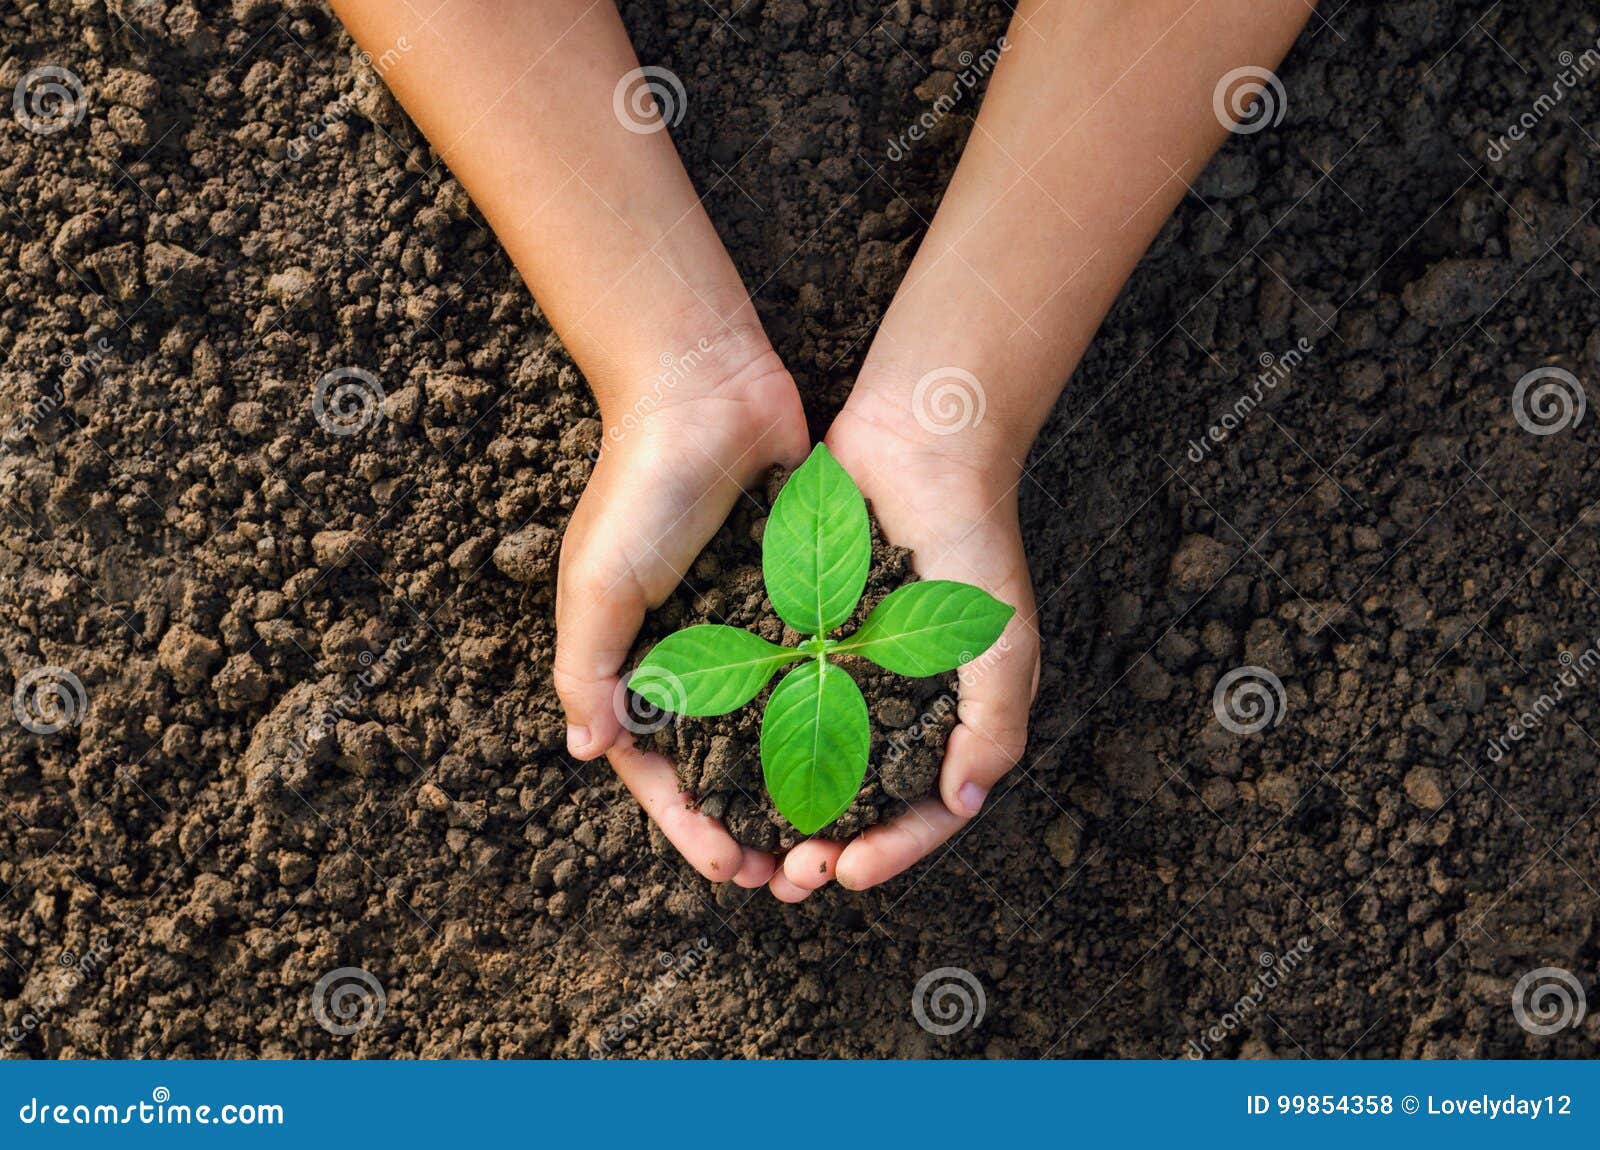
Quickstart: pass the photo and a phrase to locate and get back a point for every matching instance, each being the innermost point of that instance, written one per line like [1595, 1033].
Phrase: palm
[657, 496]
[961, 525]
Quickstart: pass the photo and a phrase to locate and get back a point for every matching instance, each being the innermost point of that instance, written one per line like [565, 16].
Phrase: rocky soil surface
[283, 655]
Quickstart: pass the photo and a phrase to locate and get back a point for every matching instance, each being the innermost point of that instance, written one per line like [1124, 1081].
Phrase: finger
[785, 891]
[702, 840]
[811, 864]
[881, 852]
[598, 612]
[996, 696]
[636, 529]
[755, 869]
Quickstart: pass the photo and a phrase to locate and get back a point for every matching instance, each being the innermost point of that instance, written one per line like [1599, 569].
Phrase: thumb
[600, 604]
[598, 612]
[996, 694]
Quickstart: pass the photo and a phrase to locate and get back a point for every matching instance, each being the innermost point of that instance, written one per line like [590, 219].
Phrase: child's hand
[1016, 272]
[659, 492]
[952, 501]
[1024, 257]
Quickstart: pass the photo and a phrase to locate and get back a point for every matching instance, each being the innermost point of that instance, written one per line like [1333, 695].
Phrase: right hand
[661, 489]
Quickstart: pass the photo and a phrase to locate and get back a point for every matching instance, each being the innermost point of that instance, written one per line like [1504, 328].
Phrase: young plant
[814, 558]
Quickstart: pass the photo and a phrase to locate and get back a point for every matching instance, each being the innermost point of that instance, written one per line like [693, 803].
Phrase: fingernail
[971, 796]
[577, 740]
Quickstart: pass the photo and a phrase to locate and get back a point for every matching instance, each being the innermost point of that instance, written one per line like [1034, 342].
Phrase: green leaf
[814, 740]
[928, 628]
[707, 670]
[817, 546]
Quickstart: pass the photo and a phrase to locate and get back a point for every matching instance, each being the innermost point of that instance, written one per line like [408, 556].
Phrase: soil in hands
[178, 532]
[719, 758]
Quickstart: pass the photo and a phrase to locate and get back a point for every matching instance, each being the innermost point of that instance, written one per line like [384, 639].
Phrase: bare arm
[537, 109]
[1098, 117]
[602, 221]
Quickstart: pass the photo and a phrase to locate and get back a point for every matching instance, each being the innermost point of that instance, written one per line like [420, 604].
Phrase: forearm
[1098, 116]
[602, 222]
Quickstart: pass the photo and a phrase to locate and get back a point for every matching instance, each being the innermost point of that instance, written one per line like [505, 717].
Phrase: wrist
[719, 382]
[683, 365]
[946, 410]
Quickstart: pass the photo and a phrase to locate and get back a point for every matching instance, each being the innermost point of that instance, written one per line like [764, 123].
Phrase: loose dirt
[317, 730]
[719, 759]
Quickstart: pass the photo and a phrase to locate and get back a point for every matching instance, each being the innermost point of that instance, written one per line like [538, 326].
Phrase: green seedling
[814, 558]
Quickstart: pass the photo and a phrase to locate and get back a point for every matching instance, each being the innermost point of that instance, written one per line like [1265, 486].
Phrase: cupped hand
[951, 499]
[671, 467]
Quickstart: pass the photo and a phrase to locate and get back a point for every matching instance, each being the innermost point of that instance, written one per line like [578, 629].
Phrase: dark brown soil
[319, 732]
[719, 759]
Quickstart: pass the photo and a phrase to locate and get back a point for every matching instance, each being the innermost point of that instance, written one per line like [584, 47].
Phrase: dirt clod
[298, 752]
